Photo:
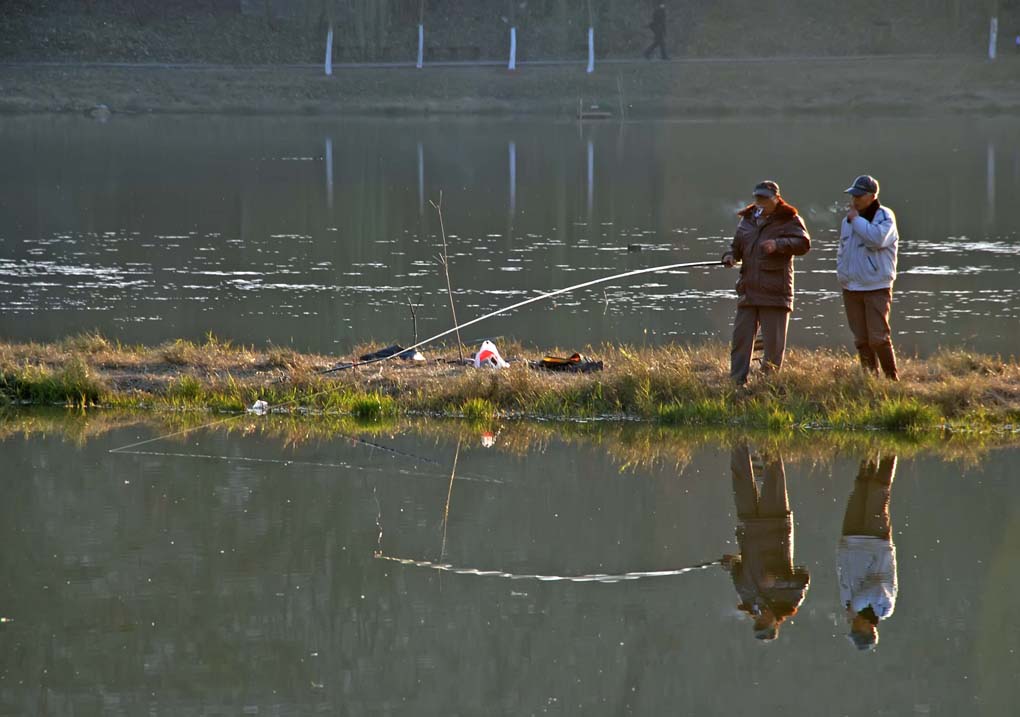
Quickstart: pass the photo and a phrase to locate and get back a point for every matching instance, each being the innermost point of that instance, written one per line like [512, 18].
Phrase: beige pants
[774, 321]
[867, 312]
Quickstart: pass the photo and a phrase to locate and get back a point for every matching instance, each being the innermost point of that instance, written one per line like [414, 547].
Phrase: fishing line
[123, 449]
[589, 578]
[362, 441]
[308, 464]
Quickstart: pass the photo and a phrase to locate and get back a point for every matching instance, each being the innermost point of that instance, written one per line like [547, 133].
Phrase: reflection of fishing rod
[525, 302]
[590, 578]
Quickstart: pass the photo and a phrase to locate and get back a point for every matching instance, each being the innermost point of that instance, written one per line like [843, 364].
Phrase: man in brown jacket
[769, 235]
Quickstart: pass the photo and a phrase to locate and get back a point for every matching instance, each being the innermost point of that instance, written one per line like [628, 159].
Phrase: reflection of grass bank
[629, 444]
[958, 390]
[790, 87]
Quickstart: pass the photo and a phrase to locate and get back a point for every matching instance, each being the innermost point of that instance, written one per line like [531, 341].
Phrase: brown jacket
[767, 279]
[764, 574]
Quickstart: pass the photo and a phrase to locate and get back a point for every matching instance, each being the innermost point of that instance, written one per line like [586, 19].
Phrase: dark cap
[864, 184]
[864, 640]
[768, 188]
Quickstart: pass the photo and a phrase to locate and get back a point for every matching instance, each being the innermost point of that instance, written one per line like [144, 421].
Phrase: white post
[512, 65]
[591, 49]
[328, 171]
[512, 157]
[421, 46]
[591, 177]
[329, 51]
[421, 179]
[993, 38]
[990, 181]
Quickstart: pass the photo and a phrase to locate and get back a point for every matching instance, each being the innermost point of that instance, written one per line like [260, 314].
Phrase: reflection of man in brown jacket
[770, 587]
[769, 235]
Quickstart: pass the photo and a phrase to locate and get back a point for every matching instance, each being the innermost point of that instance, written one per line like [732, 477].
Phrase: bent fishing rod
[497, 312]
[525, 302]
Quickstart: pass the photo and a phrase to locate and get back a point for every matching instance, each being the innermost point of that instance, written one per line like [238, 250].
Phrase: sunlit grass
[953, 390]
[478, 409]
[73, 384]
[372, 407]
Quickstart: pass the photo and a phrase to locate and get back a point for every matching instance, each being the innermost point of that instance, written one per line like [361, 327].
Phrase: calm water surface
[316, 233]
[236, 573]
[172, 585]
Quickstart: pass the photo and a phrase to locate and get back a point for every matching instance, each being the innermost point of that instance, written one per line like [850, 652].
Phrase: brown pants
[867, 511]
[867, 312]
[770, 500]
[774, 321]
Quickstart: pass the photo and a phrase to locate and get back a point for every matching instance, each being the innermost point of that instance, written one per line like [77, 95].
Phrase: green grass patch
[478, 409]
[904, 414]
[896, 413]
[768, 414]
[73, 385]
[373, 407]
[702, 411]
[186, 389]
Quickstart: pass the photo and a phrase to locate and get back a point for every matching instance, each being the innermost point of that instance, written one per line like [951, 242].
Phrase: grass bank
[953, 390]
[687, 89]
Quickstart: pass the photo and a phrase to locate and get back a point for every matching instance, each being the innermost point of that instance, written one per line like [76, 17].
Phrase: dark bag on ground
[576, 363]
[387, 352]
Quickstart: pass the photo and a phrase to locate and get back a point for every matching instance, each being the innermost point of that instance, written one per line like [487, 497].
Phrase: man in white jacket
[866, 268]
[866, 558]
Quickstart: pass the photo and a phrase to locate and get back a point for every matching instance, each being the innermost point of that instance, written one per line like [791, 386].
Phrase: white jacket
[867, 574]
[866, 258]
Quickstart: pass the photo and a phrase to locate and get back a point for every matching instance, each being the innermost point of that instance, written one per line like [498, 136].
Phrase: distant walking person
[658, 28]
[866, 268]
[769, 585]
[769, 235]
[866, 558]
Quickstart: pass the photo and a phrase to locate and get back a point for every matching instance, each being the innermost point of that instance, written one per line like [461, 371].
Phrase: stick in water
[444, 261]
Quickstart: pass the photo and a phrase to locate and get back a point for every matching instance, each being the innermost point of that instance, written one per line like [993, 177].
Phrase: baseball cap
[768, 188]
[864, 184]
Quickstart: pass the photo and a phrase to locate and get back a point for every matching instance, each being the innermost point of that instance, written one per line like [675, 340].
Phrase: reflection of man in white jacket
[866, 559]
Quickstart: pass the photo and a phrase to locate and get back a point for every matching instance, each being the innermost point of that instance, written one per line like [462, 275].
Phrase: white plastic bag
[259, 408]
[488, 356]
